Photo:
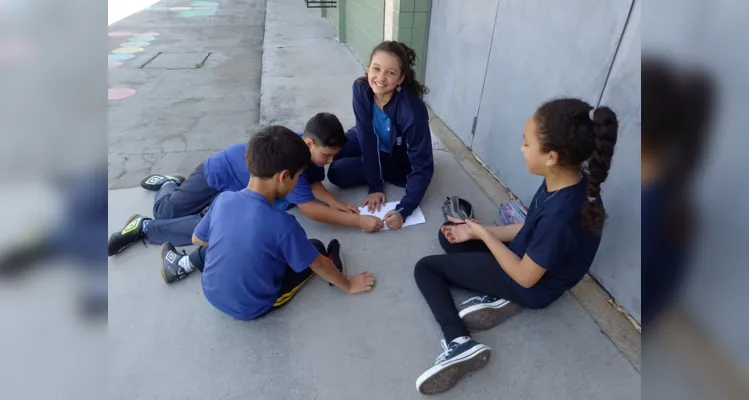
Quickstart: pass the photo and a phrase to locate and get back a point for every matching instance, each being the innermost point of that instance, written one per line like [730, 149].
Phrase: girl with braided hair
[530, 264]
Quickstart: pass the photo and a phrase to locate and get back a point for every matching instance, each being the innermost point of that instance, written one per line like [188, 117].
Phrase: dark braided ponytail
[578, 133]
[605, 131]
[407, 58]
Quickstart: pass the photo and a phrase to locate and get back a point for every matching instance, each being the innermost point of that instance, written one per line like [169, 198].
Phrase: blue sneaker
[455, 362]
[485, 312]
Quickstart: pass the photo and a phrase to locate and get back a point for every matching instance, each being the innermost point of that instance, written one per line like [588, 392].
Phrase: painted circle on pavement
[142, 39]
[120, 57]
[148, 34]
[120, 93]
[119, 34]
[127, 50]
[204, 8]
[135, 44]
[114, 64]
[180, 8]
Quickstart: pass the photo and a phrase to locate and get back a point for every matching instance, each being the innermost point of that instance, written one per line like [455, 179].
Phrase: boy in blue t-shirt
[255, 257]
[180, 204]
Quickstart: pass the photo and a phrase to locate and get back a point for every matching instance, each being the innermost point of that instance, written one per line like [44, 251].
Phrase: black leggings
[468, 265]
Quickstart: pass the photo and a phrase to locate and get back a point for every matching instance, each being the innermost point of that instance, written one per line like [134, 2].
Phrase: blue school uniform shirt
[226, 170]
[250, 244]
[553, 237]
[381, 124]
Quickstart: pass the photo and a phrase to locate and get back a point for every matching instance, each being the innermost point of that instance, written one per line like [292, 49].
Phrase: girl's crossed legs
[469, 266]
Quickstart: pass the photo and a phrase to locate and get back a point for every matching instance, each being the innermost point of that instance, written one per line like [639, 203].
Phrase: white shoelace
[445, 352]
[478, 298]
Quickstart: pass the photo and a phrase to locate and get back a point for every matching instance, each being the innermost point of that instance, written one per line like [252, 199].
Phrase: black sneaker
[132, 233]
[485, 312]
[334, 253]
[155, 181]
[455, 362]
[170, 269]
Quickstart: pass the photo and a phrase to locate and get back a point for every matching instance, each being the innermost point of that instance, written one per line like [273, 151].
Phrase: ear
[284, 175]
[310, 142]
[403, 77]
[552, 158]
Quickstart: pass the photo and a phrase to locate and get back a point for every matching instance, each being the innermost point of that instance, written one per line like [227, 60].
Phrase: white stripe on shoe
[497, 304]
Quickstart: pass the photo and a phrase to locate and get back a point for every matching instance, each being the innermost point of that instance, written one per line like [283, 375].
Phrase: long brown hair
[407, 58]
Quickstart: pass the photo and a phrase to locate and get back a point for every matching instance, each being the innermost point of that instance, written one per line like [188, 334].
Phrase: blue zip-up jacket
[412, 139]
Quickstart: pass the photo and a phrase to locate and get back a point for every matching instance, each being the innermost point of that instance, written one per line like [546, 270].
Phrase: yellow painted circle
[127, 50]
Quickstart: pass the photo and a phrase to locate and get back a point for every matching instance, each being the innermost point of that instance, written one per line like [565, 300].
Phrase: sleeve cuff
[406, 212]
[376, 188]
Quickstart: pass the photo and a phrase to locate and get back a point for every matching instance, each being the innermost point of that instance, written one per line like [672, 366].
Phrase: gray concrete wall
[617, 265]
[459, 40]
[541, 50]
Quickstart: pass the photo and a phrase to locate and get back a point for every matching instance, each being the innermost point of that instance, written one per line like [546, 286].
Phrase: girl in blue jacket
[391, 141]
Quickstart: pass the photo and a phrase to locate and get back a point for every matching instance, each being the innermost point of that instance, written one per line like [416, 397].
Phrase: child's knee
[423, 268]
[335, 175]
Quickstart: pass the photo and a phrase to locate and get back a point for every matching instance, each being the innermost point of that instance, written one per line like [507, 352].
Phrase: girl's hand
[375, 201]
[394, 220]
[477, 230]
[462, 230]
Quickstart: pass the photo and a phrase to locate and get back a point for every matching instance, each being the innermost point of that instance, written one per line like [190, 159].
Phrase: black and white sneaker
[485, 312]
[456, 361]
[155, 181]
[131, 233]
[171, 271]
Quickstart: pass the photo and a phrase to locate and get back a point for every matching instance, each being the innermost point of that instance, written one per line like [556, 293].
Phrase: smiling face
[384, 73]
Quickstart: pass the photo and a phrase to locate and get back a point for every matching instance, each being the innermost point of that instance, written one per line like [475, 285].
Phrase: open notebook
[417, 217]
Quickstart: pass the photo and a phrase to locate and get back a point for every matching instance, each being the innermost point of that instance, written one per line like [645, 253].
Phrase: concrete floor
[167, 342]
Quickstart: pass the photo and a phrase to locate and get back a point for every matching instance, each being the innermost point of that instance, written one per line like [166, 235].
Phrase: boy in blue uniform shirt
[180, 204]
[255, 257]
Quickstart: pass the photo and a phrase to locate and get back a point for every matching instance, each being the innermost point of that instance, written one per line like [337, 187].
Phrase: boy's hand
[370, 224]
[394, 220]
[361, 282]
[343, 206]
[374, 201]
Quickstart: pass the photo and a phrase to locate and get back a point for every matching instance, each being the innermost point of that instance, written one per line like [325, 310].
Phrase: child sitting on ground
[391, 141]
[179, 204]
[253, 256]
[523, 265]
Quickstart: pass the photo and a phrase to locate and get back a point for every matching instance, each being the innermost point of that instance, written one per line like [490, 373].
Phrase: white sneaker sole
[440, 378]
[481, 317]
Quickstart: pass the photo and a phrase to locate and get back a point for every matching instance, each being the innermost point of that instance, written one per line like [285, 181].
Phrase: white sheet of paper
[417, 217]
